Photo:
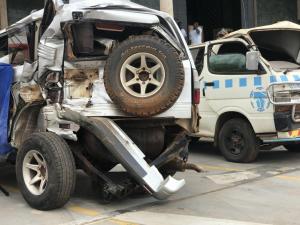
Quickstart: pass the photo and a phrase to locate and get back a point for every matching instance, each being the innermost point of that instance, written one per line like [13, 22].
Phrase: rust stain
[81, 82]
[31, 93]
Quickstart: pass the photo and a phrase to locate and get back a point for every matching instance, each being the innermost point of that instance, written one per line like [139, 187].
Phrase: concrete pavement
[264, 192]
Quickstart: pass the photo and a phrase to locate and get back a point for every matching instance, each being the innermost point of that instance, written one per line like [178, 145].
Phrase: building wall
[180, 11]
[271, 11]
[179, 6]
[247, 13]
[267, 11]
[154, 4]
[17, 9]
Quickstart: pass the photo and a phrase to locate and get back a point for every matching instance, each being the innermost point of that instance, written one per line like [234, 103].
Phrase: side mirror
[252, 60]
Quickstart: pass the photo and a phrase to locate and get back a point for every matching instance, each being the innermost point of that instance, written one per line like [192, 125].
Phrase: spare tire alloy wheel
[144, 76]
[35, 172]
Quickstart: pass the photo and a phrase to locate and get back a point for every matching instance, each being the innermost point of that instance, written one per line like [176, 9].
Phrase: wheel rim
[235, 142]
[35, 172]
[142, 75]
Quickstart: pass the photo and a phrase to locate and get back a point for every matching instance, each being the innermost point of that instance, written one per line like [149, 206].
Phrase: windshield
[280, 47]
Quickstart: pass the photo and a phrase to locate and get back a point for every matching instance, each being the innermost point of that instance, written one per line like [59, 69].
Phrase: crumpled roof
[93, 3]
[31, 17]
[85, 4]
[283, 25]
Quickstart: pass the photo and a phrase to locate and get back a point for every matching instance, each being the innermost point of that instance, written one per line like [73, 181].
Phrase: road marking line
[11, 189]
[83, 211]
[154, 218]
[111, 221]
[291, 178]
[219, 168]
[233, 177]
[122, 222]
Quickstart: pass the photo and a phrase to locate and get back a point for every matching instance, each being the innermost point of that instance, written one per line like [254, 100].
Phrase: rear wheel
[45, 171]
[237, 141]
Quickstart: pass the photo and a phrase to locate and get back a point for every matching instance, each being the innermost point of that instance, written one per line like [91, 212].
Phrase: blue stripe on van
[257, 81]
[297, 77]
[243, 82]
[273, 79]
[284, 78]
[216, 84]
[228, 83]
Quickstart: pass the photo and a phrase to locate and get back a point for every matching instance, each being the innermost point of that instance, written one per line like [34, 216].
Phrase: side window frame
[199, 61]
[70, 50]
[209, 49]
[199, 57]
[18, 46]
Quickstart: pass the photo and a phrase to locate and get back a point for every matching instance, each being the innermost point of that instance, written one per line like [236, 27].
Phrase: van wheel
[292, 147]
[45, 171]
[237, 141]
[144, 76]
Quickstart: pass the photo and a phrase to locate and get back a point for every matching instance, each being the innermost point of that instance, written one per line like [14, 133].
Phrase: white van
[250, 90]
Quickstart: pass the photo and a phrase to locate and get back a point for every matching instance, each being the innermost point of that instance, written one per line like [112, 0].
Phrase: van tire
[237, 141]
[293, 147]
[162, 87]
[58, 169]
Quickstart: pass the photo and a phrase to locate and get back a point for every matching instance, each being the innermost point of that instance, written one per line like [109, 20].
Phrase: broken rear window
[278, 45]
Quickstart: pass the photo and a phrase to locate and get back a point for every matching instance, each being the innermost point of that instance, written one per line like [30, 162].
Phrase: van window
[198, 57]
[228, 58]
[91, 39]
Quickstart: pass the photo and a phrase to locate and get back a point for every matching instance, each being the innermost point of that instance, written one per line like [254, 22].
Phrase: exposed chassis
[130, 156]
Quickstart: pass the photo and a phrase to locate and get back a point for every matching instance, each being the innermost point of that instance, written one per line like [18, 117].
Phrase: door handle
[209, 84]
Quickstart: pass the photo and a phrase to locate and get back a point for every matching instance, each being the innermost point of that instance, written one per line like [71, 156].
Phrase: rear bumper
[168, 187]
[130, 156]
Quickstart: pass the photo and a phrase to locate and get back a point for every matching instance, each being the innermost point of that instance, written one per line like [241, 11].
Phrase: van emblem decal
[259, 100]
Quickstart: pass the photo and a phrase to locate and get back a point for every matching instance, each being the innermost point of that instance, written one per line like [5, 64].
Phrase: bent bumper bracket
[127, 153]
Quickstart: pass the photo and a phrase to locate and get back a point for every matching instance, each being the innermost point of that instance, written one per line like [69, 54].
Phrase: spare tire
[144, 76]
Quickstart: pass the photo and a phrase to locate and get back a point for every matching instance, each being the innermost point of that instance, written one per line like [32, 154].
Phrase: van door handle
[209, 84]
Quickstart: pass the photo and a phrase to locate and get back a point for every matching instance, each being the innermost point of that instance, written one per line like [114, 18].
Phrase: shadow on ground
[277, 155]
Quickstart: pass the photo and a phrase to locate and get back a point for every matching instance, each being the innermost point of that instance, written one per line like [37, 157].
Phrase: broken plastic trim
[127, 153]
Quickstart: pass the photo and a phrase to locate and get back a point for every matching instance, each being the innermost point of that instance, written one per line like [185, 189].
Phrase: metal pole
[3, 14]
[167, 6]
[298, 9]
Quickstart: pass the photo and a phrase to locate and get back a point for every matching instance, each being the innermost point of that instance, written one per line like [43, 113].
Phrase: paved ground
[265, 192]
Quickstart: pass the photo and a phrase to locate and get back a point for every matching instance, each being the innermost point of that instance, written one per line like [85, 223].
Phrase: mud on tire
[144, 76]
[53, 155]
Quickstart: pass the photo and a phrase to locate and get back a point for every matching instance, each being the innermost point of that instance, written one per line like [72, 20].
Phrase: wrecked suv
[95, 84]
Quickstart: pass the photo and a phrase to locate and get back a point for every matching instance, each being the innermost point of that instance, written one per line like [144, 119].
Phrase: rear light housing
[196, 97]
